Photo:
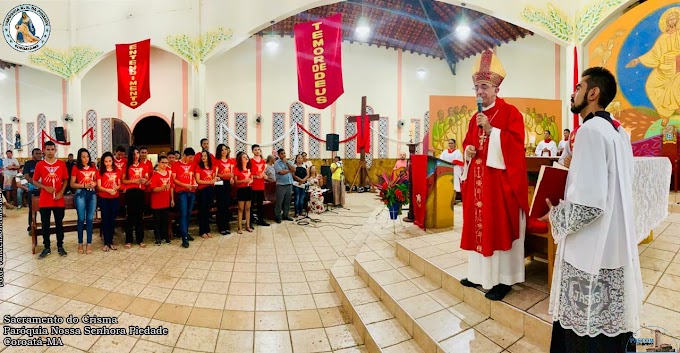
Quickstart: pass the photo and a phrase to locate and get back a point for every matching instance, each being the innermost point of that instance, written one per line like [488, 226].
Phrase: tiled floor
[264, 292]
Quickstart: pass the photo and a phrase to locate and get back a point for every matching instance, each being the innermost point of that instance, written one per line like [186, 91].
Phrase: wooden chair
[669, 149]
[538, 241]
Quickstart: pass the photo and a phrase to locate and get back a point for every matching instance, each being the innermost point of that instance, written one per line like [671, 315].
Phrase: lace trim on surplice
[592, 304]
[568, 218]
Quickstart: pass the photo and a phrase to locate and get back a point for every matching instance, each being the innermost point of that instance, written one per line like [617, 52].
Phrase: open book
[550, 185]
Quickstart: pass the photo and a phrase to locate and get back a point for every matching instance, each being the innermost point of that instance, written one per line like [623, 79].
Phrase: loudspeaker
[332, 142]
[59, 132]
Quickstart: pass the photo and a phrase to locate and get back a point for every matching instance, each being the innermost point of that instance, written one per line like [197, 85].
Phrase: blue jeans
[109, 208]
[300, 194]
[185, 203]
[20, 194]
[86, 203]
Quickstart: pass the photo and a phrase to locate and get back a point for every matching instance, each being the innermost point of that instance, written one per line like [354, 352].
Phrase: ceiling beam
[435, 21]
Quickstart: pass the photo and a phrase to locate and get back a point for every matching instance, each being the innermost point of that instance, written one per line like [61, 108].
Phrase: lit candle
[54, 186]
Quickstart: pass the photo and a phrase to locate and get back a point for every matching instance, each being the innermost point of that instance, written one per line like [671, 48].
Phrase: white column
[74, 107]
[196, 126]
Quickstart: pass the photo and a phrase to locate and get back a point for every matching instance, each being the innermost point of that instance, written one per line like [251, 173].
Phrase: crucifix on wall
[363, 140]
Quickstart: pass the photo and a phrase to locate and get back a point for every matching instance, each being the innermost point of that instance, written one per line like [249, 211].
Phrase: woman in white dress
[316, 195]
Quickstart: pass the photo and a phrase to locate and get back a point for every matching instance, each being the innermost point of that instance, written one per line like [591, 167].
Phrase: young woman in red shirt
[225, 168]
[84, 181]
[242, 180]
[162, 199]
[108, 186]
[135, 180]
[205, 178]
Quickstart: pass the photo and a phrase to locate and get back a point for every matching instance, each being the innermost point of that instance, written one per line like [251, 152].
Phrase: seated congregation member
[29, 169]
[84, 182]
[257, 167]
[243, 180]
[185, 187]
[315, 193]
[269, 172]
[300, 184]
[225, 170]
[136, 179]
[51, 177]
[338, 182]
[401, 163]
[108, 184]
[161, 199]
[205, 178]
[284, 187]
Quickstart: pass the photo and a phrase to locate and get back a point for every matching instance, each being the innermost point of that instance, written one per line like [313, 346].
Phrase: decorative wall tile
[53, 126]
[350, 146]
[314, 128]
[426, 122]
[221, 117]
[297, 115]
[30, 136]
[278, 129]
[416, 137]
[107, 135]
[91, 123]
[241, 130]
[383, 142]
[9, 136]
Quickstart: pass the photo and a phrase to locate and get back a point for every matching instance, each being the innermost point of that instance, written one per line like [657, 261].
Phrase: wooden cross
[363, 173]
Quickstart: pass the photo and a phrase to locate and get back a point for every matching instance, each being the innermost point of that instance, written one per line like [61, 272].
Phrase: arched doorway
[120, 134]
[153, 132]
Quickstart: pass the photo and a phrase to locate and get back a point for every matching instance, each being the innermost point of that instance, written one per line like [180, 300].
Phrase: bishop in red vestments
[495, 195]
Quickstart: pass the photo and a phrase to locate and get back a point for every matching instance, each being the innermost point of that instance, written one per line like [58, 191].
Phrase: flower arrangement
[393, 190]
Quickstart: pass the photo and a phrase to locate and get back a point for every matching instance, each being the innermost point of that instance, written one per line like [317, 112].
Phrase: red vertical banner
[319, 61]
[418, 179]
[133, 65]
[576, 79]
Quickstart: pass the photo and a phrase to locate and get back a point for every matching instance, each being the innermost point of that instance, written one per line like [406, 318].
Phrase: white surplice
[565, 150]
[503, 267]
[551, 146]
[597, 285]
[455, 158]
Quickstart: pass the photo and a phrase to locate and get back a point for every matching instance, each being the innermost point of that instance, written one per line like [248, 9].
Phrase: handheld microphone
[479, 108]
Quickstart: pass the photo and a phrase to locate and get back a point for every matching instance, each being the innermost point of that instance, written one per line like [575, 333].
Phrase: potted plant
[394, 193]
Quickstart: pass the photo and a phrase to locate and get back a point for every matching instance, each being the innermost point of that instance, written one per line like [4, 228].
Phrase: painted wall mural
[453, 114]
[66, 64]
[642, 48]
[197, 50]
[563, 26]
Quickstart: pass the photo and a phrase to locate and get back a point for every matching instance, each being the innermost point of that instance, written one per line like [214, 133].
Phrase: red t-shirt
[225, 167]
[160, 199]
[149, 167]
[241, 175]
[84, 176]
[207, 174]
[54, 175]
[257, 169]
[136, 172]
[121, 164]
[197, 157]
[184, 172]
[108, 180]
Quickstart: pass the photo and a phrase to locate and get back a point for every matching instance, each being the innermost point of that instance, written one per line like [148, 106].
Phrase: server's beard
[576, 109]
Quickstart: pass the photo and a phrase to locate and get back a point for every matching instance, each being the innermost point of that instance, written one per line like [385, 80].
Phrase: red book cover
[550, 185]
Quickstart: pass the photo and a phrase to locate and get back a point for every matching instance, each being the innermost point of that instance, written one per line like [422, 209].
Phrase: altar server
[597, 289]
[547, 147]
[455, 157]
[495, 202]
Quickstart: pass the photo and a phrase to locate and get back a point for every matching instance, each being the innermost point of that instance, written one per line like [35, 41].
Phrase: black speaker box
[59, 134]
[332, 142]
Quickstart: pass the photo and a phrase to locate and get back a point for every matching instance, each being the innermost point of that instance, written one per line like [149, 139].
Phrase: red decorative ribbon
[322, 140]
[44, 135]
[90, 132]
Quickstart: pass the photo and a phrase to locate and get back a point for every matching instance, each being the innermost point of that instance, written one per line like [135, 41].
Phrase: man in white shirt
[455, 157]
[9, 171]
[547, 147]
[563, 149]
[597, 288]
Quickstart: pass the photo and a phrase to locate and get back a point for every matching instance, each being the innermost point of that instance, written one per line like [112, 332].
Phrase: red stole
[492, 198]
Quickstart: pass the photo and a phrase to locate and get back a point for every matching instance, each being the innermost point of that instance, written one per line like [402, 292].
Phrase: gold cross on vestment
[482, 138]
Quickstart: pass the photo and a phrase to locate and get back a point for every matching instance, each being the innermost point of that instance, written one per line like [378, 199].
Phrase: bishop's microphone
[479, 108]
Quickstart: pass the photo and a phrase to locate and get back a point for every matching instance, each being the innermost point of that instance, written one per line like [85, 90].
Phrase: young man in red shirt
[161, 199]
[185, 188]
[119, 159]
[257, 166]
[51, 177]
[204, 147]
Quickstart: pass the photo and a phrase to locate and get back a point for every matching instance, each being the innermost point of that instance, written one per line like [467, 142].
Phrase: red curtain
[133, 61]
[419, 187]
[576, 79]
[319, 61]
[363, 133]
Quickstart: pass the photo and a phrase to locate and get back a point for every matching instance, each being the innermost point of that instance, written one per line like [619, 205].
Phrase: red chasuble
[492, 197]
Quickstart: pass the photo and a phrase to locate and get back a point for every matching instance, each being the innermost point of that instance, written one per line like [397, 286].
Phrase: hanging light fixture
[463, 29]
[272, 44]
[362, 30]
